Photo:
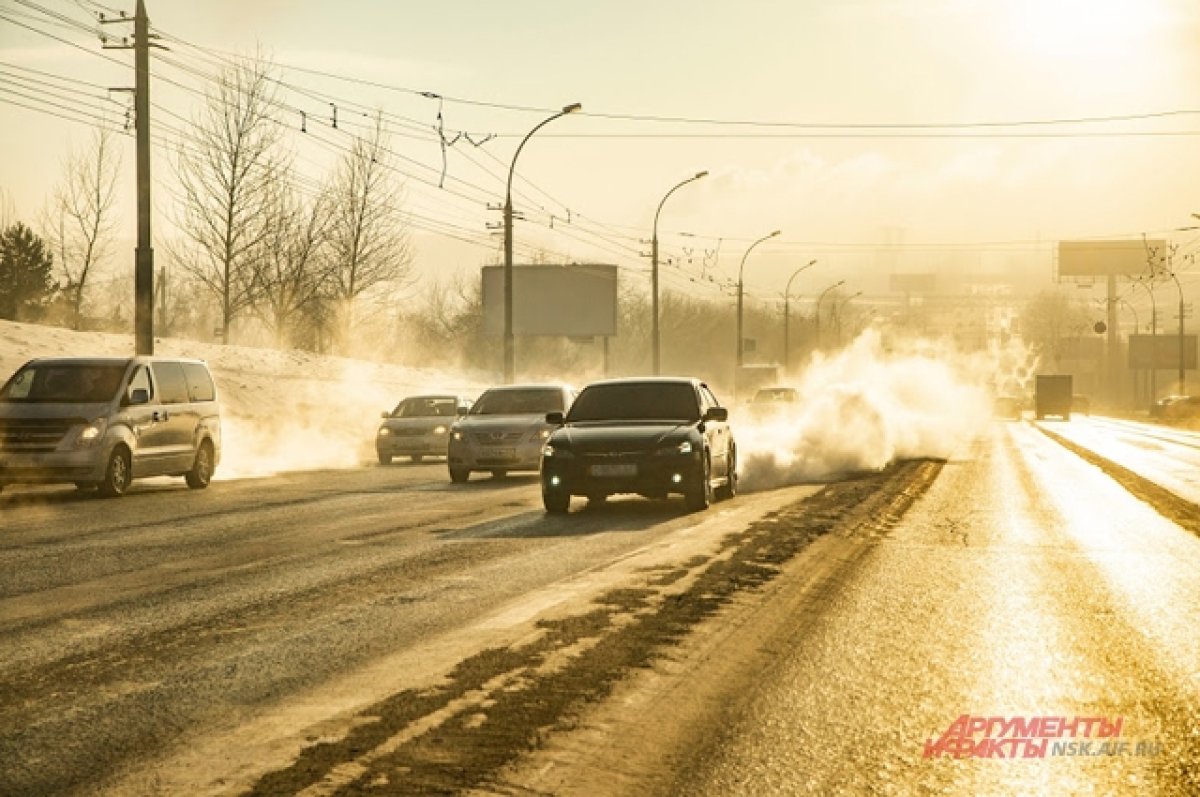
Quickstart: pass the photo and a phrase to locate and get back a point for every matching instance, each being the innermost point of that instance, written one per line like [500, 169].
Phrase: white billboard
[1102, 258]
[574, 301]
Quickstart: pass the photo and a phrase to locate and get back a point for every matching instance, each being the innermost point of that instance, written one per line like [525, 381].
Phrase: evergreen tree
[26, 265]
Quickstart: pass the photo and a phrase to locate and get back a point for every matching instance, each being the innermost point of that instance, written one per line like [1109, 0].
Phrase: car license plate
[617, 469]
[499, 453]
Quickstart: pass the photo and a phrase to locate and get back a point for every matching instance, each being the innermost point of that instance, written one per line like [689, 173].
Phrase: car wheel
[597, 499]
[700, 495]
[557, 502]
[117, 474]
[384, 459]
[499, 474]
[729, 488]
[459, 475]
[202, 469]
[418, 457]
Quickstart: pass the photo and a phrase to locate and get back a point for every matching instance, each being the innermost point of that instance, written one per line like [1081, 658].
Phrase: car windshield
[638, 401]
[426, 407]
[776, 394]
[64, 383]
[531, 401]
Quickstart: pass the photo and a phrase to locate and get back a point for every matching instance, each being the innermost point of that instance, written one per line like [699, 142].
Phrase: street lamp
[510, 365]
[741, 272]
[837, 284]
[837, 314]
[787, 314]
[654, 335]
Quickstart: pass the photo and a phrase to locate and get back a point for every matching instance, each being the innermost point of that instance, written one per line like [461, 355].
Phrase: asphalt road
[382, 631]
[1026, 584]
[183, 642]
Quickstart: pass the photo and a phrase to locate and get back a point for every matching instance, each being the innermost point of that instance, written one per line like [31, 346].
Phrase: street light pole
[837, 314]
[741, 274]
[510, 357]
[787, 313]
[837, 284]
[656, 340]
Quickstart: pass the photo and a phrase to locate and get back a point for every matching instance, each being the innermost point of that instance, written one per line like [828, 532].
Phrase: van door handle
[160, 416]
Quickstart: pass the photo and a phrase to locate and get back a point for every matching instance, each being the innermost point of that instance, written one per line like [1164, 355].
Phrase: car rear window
[637, 401]
[520, 401]
[199, 382]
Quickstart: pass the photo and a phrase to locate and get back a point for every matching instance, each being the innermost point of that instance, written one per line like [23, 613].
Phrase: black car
[651, 437]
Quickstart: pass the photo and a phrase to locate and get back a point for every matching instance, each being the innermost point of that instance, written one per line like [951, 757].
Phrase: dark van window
[200, 384]
[172, 386]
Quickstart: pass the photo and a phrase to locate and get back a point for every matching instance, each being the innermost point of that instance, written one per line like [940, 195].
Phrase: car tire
[201, 473]
[384, 459]
[499, 473]
[700, 494]
[597, 499]
[459, 475]
[117, 474]
[729, 488]
[418, 457]
[557, 502]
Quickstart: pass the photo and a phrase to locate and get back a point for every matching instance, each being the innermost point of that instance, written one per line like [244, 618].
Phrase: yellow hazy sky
[846, 123]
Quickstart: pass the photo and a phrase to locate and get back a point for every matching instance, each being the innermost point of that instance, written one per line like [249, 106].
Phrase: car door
[176, 420]
[150, 436]
[718, 435]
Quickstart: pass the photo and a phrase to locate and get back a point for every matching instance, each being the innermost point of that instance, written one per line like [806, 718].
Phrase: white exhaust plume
[864, 407]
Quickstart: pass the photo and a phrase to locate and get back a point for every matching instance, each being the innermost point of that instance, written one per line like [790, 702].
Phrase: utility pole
[143, 269]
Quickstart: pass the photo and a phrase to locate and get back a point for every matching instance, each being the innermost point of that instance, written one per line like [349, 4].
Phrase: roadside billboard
[1161, 352]
[1102, 258]
[578, 301]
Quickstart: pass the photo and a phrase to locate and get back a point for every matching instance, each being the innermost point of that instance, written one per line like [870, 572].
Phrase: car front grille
[34, 434]
[497, 438]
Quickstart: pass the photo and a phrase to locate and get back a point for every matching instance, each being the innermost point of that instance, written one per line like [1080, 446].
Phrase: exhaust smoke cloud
[864, 407]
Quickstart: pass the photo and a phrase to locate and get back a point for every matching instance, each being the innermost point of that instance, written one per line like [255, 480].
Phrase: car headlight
[456, 435]
[439, 430]
[669, 451]
[384, 431]
[91, 433]
[544, 434]
[558, 452]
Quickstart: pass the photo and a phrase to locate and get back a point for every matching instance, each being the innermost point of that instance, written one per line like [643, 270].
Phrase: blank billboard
[1102, 258]
[576, 301]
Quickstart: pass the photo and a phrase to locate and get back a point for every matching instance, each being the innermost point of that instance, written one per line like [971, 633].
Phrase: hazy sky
[901, 99]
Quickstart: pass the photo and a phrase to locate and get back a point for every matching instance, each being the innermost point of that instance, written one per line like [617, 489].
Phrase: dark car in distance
[651, 437]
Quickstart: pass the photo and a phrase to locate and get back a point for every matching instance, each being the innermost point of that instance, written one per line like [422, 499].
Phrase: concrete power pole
[143, 274]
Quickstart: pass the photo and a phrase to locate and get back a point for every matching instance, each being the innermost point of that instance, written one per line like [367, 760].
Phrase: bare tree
[228, 167]
[368, 235]
[295, 269]
[80, 217]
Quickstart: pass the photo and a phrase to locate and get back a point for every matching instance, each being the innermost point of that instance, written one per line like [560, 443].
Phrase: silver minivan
[101, 423]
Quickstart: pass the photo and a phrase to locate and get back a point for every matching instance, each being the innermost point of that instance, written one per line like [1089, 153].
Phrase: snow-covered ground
[282, 410]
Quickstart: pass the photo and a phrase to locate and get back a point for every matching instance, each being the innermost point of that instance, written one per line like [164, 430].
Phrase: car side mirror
[139, 396]
[555, 418]
[461, 411]
[385, 414]
[718, 414]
